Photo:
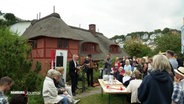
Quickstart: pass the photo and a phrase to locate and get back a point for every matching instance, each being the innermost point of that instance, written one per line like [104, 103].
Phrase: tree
[10, 19]
[13, 56]
[157, 31]
[168, 41]
[165, 30]
[135, 47]
[14, 62]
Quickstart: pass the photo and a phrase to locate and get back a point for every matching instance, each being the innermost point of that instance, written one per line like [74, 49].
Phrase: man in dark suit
[73, 69]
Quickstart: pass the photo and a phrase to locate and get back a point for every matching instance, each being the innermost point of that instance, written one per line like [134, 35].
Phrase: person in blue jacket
[157, 87]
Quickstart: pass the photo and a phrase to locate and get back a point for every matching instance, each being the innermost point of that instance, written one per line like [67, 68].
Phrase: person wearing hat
[178, 92]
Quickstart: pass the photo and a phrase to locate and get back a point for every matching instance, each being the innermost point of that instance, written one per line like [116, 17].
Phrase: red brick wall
[43, 51]
[39, 51]
[73, 48]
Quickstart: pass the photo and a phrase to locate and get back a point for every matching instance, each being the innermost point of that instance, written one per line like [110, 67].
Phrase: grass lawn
[98, 99]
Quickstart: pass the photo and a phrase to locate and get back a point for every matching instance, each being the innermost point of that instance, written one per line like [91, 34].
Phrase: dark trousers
[90, 77]
[77, 76]
[73, 82]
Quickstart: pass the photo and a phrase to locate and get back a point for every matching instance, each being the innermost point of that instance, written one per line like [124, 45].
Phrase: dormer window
[89, 48]
[114, 49]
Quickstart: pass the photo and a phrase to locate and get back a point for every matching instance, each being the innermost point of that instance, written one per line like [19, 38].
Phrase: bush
[14, 63]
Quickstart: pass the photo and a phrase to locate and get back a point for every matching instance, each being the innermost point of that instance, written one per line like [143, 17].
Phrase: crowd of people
[155, 80]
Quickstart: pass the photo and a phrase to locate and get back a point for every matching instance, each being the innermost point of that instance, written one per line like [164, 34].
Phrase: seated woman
[63, 88]
[50, 92]
[134, 85]
[120, 74]
[115, 70]
[127, 77]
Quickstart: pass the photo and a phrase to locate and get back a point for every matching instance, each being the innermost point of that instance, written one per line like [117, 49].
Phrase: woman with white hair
[127, 65]
[50, 92]
[157, 87]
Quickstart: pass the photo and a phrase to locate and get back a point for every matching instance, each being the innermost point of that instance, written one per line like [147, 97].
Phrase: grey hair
[52, 73]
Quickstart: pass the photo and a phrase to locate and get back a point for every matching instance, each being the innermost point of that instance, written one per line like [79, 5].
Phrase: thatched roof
[50, 26]
[98, 38]
[53, 26]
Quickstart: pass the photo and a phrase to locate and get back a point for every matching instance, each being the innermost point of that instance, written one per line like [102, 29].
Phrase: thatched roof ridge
[50, 26]
[84, 29]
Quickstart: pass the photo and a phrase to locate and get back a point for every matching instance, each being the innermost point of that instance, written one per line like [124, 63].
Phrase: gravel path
[96, 90]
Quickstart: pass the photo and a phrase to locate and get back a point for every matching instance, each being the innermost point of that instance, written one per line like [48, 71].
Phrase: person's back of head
[60, 69]
[137, 74]
[6, 83]
[160, 62]
[128, 73]
[169, 53]
[19, 99]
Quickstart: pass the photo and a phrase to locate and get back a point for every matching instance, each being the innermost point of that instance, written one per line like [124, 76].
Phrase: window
[62, 43]
[114, 49]
[89, 47]
[34, 44]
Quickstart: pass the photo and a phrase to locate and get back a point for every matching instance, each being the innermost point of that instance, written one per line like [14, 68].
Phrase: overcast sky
[112, 17]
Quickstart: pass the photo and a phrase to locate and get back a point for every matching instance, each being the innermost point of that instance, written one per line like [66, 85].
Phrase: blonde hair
[128, 73]
[60, 69]
[127, 61]
[160, 62]
[117, 58]
[137, 74]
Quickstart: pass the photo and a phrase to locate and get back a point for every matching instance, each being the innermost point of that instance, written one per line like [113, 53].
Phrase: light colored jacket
[132, 87]
[50, 93]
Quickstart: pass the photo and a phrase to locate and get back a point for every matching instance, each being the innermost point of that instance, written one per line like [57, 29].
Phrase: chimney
[54, 9]
[39, 15]
[92, 28]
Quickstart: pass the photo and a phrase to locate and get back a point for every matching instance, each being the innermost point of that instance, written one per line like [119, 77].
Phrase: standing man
[73, 70]
[173, 62]
[5, 85]
[90, 64]
[107, 65]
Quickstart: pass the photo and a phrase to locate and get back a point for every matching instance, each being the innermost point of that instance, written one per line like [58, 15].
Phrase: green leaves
[168, 41]
[14, 61]
[135, 47]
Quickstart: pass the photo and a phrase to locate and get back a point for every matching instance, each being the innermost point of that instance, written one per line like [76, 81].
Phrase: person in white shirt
[134, 85]
[127, 77]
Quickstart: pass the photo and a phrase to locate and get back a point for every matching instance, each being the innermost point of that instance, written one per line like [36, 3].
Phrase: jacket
[156, 88]
[49, 92]
[132, 87]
